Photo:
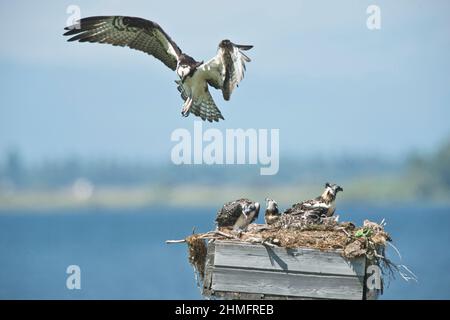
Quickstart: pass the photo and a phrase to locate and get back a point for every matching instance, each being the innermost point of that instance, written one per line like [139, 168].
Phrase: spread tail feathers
[202, 106]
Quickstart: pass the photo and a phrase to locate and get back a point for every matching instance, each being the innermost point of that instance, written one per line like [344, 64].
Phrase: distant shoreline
[195, 196]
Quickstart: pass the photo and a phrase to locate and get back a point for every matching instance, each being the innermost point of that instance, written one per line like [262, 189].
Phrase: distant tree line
[431, 172]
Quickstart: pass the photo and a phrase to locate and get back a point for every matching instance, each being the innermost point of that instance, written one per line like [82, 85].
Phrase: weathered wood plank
[283, 283]
[242, 255]
[254, 296]
[209, 269]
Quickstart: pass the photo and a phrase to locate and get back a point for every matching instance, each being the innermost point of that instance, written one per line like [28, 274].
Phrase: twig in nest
[264, 242]
[208, 235]
[226, 235]
[395, 248]
[405, 276]
[254, 240]
[377, 255]
[175, 241]
[343, 230]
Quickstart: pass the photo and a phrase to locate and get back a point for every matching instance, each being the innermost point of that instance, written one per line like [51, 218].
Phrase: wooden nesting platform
[239, 270]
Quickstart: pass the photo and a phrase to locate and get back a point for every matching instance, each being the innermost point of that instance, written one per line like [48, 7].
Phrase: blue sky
[318, 74]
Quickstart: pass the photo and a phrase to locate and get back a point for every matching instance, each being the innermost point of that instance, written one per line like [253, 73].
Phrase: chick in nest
[272, 214]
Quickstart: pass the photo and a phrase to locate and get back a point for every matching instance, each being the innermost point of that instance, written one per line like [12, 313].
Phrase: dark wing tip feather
[71, 31]
[87, 23]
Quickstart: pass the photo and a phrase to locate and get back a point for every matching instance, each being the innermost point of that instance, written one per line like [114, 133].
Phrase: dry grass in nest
[197, 254]
[293, 238]
[330, 236]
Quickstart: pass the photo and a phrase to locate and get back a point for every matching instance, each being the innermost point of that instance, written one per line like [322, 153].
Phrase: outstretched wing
[135, 33]
[227, 68]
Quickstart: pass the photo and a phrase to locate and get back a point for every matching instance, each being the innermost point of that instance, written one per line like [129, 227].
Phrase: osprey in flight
[223, 72]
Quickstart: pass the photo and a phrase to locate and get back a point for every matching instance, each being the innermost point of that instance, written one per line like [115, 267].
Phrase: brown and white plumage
[272, 214]
[223, 72]
[306, 219]
[324, 205]
[203, 105]
[135, 33]
[237, 214]
[226, 70]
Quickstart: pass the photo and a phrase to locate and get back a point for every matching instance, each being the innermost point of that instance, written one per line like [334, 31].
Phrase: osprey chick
[323, 205]
[272, 213]
[237, 214]
[223, 72]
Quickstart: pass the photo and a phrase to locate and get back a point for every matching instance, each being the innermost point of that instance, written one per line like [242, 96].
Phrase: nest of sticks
[369, 240]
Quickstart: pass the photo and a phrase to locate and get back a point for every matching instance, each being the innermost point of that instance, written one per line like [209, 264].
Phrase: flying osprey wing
[227, 68]
[135, 33]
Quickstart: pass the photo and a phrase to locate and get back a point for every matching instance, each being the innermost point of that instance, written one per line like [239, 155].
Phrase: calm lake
[122, 254]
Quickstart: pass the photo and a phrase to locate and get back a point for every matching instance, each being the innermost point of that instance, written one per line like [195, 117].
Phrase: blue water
[122, 254]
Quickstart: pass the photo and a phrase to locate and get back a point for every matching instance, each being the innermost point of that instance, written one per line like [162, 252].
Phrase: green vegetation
[75, 183]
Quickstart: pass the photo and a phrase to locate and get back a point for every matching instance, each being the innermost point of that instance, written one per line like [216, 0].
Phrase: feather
[135, 33]
[226, 70]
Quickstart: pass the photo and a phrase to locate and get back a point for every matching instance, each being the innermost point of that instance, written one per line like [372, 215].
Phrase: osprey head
[331, 191]
[272, 205]
[248, 208]
[250, 211]
[183, 70]
[186, 66]
[226, 44]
